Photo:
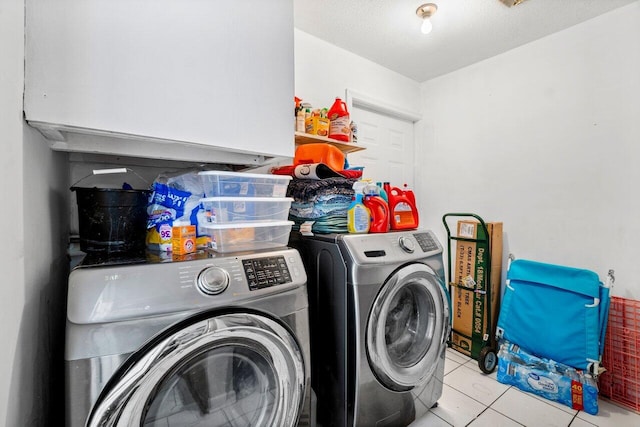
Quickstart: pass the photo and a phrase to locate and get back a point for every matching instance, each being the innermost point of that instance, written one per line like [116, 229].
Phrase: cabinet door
[215, 73]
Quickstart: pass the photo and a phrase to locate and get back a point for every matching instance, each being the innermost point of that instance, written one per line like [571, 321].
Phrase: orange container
[319, 153]
[379, 210]
[402, 208]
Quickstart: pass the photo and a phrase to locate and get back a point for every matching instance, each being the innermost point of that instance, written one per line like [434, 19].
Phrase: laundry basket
[621, 381]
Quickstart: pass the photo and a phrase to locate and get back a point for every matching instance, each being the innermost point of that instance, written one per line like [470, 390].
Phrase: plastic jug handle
[395, 191]
[344, 104]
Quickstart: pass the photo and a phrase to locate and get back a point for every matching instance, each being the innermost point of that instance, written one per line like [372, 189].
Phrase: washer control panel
[426, 242]
[266, 272]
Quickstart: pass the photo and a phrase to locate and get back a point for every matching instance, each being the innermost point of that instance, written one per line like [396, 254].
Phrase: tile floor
[471, 398]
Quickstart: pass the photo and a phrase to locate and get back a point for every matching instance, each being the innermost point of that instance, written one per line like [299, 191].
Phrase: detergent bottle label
[340, 128]
[358, 219]
[402, 213]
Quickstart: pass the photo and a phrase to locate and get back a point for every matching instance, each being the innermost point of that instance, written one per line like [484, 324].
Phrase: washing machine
[209, 341]
[380, 321]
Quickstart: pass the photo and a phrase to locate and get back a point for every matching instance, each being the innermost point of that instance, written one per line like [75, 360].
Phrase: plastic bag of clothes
[175, 201]
[323, 203]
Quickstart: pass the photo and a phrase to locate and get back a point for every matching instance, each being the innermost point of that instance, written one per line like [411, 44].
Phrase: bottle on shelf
[340, 123]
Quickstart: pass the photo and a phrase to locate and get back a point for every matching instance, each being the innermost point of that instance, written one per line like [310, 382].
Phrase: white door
[233, 369]
[389, 147]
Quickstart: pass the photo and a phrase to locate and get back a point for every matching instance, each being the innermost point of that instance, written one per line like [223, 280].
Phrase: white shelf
[346, 147]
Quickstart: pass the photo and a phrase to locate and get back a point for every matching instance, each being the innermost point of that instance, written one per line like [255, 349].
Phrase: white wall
[546, 139]
[323, 71]
[37, 387]
[12, 251]
[32, 256]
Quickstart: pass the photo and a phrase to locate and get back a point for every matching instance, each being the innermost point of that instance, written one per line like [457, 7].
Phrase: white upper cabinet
[196, 80]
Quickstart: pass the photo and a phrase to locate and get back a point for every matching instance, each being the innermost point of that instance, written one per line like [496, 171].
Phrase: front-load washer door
[232, 369]
[407, 328]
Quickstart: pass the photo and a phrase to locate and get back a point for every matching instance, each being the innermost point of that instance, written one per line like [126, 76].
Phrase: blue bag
[547, 378]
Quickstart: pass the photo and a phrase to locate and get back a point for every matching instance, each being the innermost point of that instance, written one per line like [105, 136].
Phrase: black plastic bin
[112, 220]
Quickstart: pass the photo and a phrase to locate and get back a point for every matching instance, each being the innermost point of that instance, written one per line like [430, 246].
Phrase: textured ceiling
[464, 31]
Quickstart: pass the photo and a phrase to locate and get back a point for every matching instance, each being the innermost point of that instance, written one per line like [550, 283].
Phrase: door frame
[361, 100]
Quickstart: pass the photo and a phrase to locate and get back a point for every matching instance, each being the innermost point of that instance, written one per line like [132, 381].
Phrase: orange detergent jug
[379, 211]
[402, 208]
[340, 125]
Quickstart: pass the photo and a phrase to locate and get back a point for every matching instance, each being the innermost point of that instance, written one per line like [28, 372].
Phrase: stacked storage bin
[244, 211]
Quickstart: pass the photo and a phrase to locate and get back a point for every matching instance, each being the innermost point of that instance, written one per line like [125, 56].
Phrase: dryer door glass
[408, 327]
[229, 370]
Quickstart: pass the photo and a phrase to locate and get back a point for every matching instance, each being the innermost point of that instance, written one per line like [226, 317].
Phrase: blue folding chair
[556, 312]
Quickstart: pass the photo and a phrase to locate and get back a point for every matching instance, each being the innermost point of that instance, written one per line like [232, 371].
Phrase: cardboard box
[316, 125]
[469, 286]
[183, 239]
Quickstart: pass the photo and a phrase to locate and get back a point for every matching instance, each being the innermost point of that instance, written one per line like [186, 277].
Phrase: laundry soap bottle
[358, 215]
[402, 208]
[383, 192]
[379, 212]
[339, 122]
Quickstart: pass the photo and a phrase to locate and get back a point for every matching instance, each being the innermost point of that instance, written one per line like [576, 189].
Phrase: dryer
[214, 340]
[380, 321]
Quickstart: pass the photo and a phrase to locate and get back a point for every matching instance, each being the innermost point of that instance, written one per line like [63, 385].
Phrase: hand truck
[473, 288]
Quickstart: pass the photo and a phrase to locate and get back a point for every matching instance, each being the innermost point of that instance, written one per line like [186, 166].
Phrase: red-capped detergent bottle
[402, 207]
[379, 211]
[409, 194]
[339, 121]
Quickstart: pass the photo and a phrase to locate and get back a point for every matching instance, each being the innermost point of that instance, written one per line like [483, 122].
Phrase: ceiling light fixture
[426, 11]
[512, 2]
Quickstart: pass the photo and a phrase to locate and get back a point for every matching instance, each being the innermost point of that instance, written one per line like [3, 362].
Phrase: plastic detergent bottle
[358, 215]
[379, 212]
[402, 208]
[340, 124]
[409, 194]
[370, 189]
[299, 115]
[382, 192]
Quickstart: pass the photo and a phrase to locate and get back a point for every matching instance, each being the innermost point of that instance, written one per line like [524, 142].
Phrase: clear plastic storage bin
[222, 210]
[240, 184]
[247, 236]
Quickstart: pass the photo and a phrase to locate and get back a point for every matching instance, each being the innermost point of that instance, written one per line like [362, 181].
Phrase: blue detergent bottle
[382, 192]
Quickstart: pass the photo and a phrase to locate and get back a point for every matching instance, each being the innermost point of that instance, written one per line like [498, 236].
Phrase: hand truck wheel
[487, 360]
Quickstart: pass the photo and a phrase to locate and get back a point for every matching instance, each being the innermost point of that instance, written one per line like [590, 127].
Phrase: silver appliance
[379, 313]
[211, 341]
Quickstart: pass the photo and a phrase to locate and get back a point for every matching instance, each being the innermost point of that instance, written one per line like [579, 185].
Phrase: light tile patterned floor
[471, 398]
